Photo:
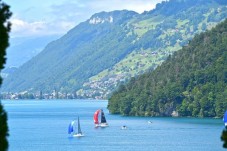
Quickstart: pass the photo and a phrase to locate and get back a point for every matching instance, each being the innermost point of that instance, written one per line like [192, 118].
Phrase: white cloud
[60, 16]
[21, 28]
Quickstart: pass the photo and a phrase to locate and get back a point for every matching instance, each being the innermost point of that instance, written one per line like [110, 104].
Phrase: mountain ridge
[121, 47]
[70, 45]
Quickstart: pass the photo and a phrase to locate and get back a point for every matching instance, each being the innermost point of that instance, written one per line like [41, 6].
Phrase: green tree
[224, 138]
[4, 43]
[192, 82]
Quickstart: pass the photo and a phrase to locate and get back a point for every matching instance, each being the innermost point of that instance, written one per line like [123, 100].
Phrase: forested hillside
[159, 33]
[191, 82]
[111, 47]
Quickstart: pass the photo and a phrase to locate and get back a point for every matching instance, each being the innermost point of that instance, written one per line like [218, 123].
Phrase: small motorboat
[149, 122]
[124, 127]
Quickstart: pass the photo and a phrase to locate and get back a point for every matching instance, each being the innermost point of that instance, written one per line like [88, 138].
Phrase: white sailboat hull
[78, 135]
[103, 125]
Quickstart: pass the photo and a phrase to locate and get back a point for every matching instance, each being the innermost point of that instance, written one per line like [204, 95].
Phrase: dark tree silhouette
[224, 138]
[4, 43]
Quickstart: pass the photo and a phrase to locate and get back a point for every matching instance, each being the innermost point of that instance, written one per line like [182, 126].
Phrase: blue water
[42, 126]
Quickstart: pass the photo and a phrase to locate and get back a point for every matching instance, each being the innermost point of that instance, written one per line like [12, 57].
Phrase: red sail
[96, 115]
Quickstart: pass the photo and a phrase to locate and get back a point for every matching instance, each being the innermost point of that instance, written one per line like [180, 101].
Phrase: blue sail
[225, 118]
[70, 128]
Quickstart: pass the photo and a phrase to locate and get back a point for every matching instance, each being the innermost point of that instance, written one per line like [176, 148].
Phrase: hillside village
[38, 95]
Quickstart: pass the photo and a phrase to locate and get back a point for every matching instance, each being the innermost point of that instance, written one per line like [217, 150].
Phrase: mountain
[191, 82]
[159, 33]
[111, 47]
[23, 49]
[67, 62]
[7, 71]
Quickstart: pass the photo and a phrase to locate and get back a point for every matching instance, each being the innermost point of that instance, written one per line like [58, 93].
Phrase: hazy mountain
[23, 49]
[110, 47]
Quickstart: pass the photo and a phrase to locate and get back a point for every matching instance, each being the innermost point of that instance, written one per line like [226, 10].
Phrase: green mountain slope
[159, 33]
[191, 82]
[110, 48]
[84, 51]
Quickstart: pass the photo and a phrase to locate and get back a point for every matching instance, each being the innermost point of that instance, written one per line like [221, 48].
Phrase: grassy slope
[140, 61]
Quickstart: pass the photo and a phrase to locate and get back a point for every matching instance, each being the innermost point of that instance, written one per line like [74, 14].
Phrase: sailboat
[225, 119]
[103, 122]
[71, 129]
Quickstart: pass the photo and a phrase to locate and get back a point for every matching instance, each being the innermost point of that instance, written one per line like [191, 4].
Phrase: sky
[56, 17]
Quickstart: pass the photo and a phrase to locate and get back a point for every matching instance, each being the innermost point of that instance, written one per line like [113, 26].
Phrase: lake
[36, 125]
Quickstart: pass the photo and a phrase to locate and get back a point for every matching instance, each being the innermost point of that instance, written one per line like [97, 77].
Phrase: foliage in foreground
[4, 38]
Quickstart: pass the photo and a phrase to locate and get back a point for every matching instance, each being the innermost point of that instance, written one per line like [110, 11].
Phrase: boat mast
[79, 129]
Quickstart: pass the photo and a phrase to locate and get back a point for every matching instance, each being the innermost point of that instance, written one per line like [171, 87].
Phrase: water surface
[42, 126]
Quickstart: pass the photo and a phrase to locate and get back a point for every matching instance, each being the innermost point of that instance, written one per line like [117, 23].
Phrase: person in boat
[124, 127]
